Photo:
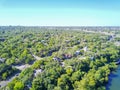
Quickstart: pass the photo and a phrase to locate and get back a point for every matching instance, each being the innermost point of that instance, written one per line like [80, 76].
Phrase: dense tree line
[70, 60]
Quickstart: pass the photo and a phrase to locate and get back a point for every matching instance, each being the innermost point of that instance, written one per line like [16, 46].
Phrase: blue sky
[60, 12]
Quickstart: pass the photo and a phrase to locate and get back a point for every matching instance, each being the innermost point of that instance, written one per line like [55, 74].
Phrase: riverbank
[114, 79]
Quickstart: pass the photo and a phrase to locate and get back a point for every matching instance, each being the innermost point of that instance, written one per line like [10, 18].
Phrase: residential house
[85, 49]
[57, 59]
[77, 52]
[2, 60]
[67, 56]
[2, 39]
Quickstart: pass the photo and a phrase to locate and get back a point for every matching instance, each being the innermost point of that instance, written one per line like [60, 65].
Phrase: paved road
[106, 33]
[20, 67]
[4, 83]
[36, 57]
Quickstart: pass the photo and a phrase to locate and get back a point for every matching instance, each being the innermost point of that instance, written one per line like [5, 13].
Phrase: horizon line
[58, 26]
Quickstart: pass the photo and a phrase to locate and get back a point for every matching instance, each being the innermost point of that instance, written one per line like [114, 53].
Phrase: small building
[118, 62]
[2, 60]
[67, 41]
[111, 37]
[67, 56]
[77, 52]
[42, 41]
[85, 49]
[62, 64]
[2, 39]
[36, 72]
[117, 43]
[91, 58]
[57, 59]
[84, 40]
[82, 57]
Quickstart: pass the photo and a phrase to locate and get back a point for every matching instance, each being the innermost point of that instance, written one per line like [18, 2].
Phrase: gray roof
[2, 59]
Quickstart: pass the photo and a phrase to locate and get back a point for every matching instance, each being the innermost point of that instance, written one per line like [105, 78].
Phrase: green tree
[4, 75]
[19, 86]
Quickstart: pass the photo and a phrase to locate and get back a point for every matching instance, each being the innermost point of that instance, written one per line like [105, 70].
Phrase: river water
[114, 80]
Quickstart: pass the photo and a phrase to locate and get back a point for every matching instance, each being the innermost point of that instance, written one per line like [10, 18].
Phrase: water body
[114, 80]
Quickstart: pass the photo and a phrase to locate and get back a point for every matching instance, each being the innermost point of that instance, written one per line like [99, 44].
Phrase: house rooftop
[2, 59]
[56, 58]
[2, 39]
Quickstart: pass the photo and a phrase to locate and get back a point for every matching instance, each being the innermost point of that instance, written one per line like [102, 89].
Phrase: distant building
[67, 41]
[117, 43]
[43, 41]
[82, 57]
[91, 58]
[36, 72]
[77, 53]
[84, 40]
[67, 56]
[2, 60]
[2, 39]
[85, 49]
[56, 59]
[118, 62]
